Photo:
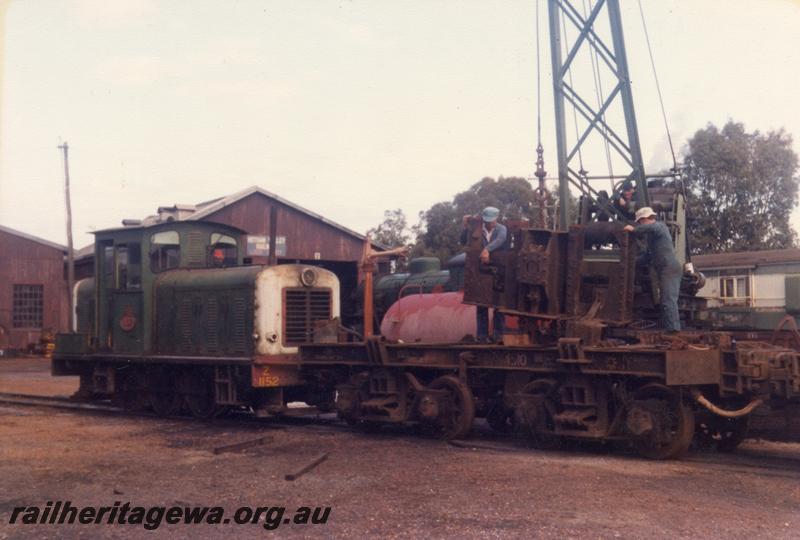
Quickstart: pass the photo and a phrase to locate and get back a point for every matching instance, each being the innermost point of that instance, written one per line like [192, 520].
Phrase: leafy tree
[440, 226]
[742, 189]
[393, 231]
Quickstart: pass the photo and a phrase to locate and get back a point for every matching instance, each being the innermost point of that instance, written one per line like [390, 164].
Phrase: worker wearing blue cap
[494, 236]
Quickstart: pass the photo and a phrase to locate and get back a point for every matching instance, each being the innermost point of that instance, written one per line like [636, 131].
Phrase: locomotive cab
[128, 263]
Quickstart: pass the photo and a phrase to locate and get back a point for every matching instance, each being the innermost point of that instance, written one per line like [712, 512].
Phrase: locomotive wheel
[673, 428]
[539, 431]
[203, 407]
[164, 401]
[161, 392]
[456, 421]
[198, 394]
[132, 395]
[726, 434]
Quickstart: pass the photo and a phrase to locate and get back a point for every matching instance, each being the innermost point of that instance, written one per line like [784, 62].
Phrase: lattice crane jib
[588, 37]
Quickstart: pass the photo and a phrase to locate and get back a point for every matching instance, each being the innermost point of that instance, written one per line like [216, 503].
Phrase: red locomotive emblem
[128, 320]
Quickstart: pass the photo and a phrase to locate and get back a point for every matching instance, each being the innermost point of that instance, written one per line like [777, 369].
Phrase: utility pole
[70, 262]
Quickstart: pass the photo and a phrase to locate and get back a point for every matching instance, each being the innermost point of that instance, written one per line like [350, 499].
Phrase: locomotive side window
[165, 251]
[222, 250]
[129, 266]
[108, 264]
[122, 266]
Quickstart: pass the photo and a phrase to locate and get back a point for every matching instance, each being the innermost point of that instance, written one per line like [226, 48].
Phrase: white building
[751, 288]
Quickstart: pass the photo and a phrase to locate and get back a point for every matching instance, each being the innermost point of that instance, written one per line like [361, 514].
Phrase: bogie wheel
[726, 434]
[673, 423]
[351, 414]
[500, 418]
[537, 426]
[456, 420]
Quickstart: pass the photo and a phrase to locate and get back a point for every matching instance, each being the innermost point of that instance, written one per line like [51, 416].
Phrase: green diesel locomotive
[173, 319]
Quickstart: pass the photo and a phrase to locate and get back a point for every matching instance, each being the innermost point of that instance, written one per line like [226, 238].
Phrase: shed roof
[207, 208]
[32, 238]
[746, 259]
[204, 209]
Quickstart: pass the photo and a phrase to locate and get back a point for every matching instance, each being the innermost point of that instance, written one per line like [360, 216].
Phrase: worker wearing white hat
[661, 254]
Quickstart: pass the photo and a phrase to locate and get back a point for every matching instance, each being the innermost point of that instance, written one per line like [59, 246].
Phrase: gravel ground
[391, 484]
[32, 376]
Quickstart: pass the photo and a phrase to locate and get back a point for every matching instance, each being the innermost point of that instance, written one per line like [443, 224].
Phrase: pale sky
[347, 108]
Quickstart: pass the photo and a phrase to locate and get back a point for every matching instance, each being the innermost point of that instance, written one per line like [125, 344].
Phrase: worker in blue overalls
[661, 254]
[494, 236]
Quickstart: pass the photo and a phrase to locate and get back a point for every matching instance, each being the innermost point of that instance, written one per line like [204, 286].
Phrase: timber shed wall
[305, 236]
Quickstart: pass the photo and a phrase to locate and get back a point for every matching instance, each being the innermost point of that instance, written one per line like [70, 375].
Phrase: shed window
[222, 250]
[28, 306]
[165, 251]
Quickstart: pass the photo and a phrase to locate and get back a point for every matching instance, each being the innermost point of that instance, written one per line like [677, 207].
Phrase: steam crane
[588, 361]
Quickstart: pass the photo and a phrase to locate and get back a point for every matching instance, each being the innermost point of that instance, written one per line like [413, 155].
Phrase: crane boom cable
[538, 80]
[658, 87]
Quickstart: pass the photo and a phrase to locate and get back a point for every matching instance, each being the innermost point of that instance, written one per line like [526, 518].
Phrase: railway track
[749, 459]
[55, 401]
[298, 416]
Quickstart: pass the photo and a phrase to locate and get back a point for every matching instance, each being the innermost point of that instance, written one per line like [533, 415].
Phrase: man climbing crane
[661, 255]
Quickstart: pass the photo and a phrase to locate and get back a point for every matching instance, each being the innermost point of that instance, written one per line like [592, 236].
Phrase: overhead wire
[538, 80]
[541, 193]
[658, 87]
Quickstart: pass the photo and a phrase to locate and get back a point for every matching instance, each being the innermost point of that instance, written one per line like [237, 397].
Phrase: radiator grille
[239, 325]
[212, 326]
[185, 325]
[302, 308]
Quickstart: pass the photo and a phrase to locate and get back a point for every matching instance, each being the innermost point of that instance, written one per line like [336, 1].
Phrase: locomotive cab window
[222, 251]
[165, 251]
[129, 266]
[107, 254]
